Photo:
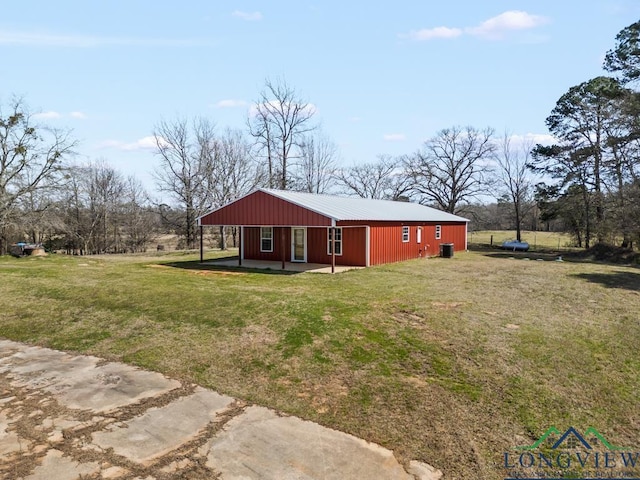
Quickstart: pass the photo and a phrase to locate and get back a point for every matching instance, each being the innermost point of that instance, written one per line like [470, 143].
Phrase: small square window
[438, 232]
[405, 234]
[266, 239]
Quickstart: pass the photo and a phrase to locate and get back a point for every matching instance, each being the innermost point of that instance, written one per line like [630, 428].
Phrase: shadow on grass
[619, 279]
[573, 256]
[496, 252]
[212, 267]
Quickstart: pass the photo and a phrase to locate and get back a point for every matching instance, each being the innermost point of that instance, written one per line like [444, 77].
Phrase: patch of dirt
[410, 319]
[258, 335]
[201, 272]
[217, 272]
[323, 398]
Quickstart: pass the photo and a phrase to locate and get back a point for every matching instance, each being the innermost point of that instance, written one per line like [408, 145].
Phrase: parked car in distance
[515, 246]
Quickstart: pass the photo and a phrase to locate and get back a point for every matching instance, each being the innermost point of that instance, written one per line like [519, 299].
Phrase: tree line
[595, 164]
[586, 182]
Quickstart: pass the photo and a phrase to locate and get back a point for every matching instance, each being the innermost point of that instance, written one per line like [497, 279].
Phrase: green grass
[449, 361]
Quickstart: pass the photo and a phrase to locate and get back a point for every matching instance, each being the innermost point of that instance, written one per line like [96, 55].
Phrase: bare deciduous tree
[383, 179]
[278, 121]
[514, 178]
[31, 158]
[91, 207]
[234, 172]
[317, 165]
[184, 170]
[138, 221]
[453, 167]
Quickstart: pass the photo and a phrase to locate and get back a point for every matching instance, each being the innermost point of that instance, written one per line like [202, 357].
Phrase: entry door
[299, 247]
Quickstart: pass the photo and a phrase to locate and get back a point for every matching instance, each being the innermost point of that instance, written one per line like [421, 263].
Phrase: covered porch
[292, 248]
[278, 265]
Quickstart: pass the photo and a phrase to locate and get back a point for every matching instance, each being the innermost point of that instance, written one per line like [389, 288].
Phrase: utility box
[446, 250]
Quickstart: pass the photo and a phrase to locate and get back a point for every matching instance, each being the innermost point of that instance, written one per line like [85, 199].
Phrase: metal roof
[355, 208]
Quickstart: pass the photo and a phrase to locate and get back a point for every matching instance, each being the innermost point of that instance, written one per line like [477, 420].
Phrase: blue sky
[383, 76]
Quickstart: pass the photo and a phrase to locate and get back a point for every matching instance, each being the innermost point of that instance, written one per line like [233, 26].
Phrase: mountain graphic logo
[572, 439]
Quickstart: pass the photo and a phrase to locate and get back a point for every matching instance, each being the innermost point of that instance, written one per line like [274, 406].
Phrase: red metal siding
[387, 246]
[260, 208]
[353, 246]
[450, 233]
[251, 244]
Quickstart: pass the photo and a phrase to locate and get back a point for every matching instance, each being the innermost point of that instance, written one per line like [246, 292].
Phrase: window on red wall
[266, 239]
[405, 234]
[338, 241]
[438, 232]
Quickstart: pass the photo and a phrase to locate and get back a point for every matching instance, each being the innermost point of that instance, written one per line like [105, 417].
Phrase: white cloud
[394, 137]
[50, 115]
[39, 39]
[431, 33]
[144, 143]
[230, 103]
[533, 139]
[248, 16]
[493, 28]
[53, 115]
[511, 20]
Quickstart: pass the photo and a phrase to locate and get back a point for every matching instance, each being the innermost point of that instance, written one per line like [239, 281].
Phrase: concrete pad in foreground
[55, 466]
[79, 382]
[9, 441]
[162, 430]
[259, 444]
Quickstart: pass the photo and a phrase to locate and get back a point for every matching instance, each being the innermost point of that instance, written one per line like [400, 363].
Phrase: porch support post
[283, 249]
[240, 246]
[333, 248]
[466, 227]
[201, 245]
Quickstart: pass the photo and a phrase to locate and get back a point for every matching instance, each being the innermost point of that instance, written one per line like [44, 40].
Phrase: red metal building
[303, 227]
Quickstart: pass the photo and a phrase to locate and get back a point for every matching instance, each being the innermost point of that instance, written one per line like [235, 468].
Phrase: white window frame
[438, 232]
[406, 234]
[262, 238]
[338, 241]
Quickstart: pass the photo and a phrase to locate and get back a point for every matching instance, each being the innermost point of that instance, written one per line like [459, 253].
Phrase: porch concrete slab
[55, 466]
[162, 430]
[79, 382]
[259, 444]
[288, 266]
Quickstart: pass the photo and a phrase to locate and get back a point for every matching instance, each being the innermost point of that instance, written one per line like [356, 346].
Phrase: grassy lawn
[449, 361]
